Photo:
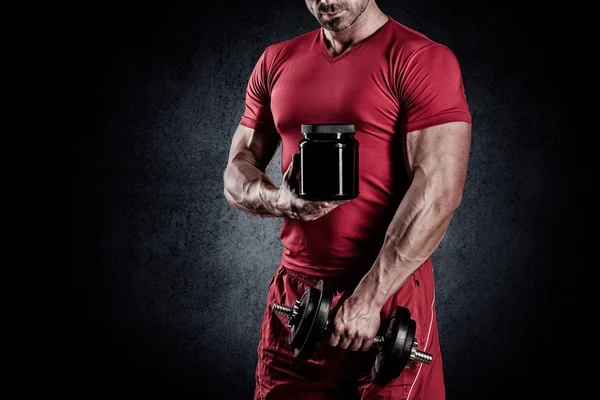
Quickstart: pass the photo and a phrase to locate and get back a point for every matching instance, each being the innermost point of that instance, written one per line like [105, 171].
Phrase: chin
[334, 26]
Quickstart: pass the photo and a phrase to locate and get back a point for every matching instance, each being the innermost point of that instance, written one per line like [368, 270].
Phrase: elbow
[444, 191]
[230, 200]
[448, 199]
[453, 192]
[228, 189]
[442, 194]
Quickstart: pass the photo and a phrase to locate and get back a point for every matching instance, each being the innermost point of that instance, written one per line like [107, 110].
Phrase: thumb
[290, 175]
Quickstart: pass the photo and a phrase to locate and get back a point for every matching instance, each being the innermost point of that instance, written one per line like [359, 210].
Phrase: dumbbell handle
[378, 341]
[282, 310]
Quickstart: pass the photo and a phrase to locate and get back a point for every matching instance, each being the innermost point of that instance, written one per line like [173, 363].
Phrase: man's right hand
[248, 188]
[290, 205]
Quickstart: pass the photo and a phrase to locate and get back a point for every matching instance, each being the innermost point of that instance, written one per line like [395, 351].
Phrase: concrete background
[164, 283]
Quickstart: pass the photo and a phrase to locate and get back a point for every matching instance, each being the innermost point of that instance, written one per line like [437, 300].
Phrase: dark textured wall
[164, 283]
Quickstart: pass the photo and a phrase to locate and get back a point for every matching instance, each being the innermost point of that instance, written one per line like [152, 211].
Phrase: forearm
[250, 189]
[412, 236]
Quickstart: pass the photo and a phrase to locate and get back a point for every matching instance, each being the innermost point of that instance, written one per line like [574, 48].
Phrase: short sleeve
[257, 112]
[431, 89]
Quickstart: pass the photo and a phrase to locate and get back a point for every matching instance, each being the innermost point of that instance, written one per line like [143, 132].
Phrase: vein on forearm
[416, 229]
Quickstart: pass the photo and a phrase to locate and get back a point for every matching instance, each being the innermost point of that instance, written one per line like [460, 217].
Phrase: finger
[294, 168]
[334, 339]
[307, 210]
[311, 217]
[310, 207]
[322, 204]
[366, 345]
[319, 212]
[356, 344]
[331, 204]
[289, 170]
[345, 341]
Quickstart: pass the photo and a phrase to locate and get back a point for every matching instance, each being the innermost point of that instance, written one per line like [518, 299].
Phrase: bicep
[439, 153]
[253, 146]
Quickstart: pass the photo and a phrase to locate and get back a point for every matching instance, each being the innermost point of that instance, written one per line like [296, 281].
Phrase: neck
[365, 25]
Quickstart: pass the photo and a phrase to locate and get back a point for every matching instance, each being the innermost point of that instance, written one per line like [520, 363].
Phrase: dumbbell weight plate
[317, 322]
[395, 353]
[299, 330]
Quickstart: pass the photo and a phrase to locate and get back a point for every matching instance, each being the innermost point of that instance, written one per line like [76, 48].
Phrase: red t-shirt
[394, 82]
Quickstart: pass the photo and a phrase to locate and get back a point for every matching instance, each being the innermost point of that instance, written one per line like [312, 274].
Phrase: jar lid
[329, 128]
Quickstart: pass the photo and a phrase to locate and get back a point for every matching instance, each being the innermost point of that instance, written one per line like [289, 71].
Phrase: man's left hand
[355, 324]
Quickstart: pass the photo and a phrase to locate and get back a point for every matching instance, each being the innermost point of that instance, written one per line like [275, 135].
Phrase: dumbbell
[308, 318]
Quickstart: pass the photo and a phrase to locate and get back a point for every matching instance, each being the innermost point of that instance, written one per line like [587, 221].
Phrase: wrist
[377, 285]
[267, 198]
[368, 293]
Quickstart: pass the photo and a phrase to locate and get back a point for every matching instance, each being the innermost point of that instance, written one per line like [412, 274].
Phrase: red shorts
[335, 373]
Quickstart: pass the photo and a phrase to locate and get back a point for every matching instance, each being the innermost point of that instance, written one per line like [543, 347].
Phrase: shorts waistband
[311, 280]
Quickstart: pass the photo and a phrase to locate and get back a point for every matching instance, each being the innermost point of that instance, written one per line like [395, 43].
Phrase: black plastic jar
[328, 162]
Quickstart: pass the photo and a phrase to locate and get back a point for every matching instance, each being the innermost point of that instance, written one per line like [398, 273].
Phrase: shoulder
[409, 43]
[295, 45]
